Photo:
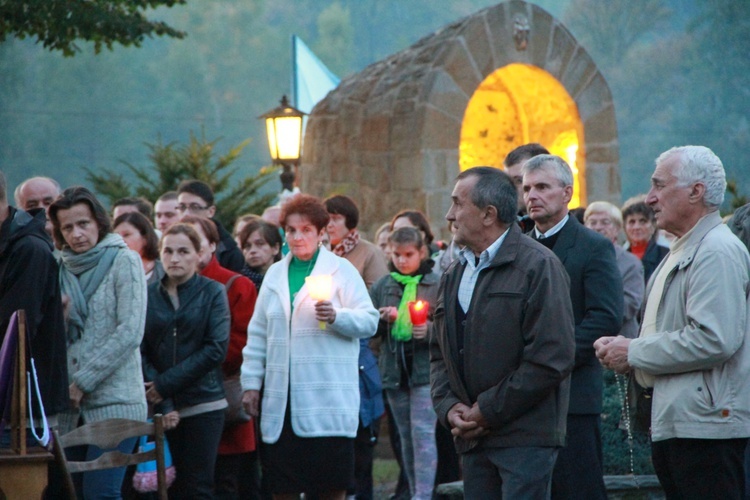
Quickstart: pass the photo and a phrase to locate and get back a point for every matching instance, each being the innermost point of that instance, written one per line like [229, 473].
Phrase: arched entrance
[396, 134]
[518, 104]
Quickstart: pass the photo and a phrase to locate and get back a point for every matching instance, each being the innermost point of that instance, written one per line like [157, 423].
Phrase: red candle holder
[418, 312]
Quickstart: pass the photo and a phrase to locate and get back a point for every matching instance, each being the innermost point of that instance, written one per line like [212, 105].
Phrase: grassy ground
[384, 477]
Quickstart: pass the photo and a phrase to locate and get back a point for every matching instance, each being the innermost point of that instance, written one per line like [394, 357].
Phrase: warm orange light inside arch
[518, 104]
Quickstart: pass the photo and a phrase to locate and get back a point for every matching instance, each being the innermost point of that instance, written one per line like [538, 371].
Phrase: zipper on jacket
[174, 346]
[708, 390]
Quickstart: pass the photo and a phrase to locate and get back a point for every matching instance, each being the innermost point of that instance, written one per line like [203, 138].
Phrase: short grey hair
[604, 207]
[699, 164]
[550, 163]
[493, 187]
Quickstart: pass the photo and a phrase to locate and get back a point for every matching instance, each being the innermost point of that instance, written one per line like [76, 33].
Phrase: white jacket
[700, 356]
[320, 366]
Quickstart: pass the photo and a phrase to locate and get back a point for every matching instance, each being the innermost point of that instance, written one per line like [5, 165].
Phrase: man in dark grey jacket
[502, 347]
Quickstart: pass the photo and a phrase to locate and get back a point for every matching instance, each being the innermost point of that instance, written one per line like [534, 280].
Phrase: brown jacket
[519, 346]
[369, 261]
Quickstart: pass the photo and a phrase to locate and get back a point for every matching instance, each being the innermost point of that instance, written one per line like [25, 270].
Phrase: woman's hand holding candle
[320, 288]
[324, 312]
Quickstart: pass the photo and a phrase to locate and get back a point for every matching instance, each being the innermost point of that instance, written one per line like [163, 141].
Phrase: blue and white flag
[311, 79]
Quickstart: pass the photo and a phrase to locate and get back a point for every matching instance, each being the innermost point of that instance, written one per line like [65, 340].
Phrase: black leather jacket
[183, 349]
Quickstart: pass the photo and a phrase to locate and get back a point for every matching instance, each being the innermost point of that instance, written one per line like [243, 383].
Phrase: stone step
[616, 486]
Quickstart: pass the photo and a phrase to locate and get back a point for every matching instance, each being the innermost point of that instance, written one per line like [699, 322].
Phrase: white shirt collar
[554, 230]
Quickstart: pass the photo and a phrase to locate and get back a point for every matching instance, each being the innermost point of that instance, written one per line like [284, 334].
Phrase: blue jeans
[415, 419]
[100, 484]
[523, 472]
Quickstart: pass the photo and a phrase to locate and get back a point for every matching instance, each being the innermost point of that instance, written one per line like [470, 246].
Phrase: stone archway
[517, 104]
[390, 136]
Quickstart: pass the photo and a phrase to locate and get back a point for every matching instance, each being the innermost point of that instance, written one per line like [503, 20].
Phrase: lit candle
[418, 312]
[320, 287]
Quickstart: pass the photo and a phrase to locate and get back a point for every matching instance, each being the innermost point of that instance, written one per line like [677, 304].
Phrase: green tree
[198, 159]
[57, 25]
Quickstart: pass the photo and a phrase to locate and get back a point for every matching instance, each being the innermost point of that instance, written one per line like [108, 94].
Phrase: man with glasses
[196, 198]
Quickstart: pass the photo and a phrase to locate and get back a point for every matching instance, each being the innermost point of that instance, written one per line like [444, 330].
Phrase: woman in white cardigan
[303, 354]
[105, 287]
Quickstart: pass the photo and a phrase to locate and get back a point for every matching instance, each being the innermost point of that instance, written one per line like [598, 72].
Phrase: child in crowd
[404, 354]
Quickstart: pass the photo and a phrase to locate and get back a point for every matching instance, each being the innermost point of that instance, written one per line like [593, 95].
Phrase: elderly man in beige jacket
[692, 349]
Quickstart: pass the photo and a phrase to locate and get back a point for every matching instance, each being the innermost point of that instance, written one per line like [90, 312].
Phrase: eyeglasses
[193, 207]
[598, 222]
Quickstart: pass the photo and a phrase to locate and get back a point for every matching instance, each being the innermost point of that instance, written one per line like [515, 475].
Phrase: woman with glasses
[302, 353]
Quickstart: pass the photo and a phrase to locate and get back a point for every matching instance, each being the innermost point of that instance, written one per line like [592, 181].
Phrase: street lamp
[284, 129]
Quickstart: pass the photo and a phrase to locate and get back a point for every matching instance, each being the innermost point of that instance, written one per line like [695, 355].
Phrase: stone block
[579, 72]
[375, 171]
[442, 92]
[594, 97]
[407, 174]
[459, 64]
[405, 106]
[541, 31]
[406, 132]
[375, 133]
[562, 48]
[601, 128]
[440, 131]
[433, 164]
[500, 33]
[599, 181]
[437, 204]
[477, 40]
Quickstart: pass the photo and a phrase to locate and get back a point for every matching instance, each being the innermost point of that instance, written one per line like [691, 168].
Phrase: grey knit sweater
[105, 363]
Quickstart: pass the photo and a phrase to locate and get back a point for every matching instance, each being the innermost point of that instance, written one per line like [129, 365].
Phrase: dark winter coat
[29, 281]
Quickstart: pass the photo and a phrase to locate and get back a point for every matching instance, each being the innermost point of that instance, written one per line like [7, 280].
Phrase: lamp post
[284, 129]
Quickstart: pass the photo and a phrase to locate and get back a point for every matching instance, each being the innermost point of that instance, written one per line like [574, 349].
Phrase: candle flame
[320, 286]
[419, 305]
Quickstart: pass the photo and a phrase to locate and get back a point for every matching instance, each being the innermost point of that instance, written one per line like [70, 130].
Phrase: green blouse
[298, 271]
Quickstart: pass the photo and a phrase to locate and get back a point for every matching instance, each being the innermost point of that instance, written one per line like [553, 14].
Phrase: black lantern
[284, 129]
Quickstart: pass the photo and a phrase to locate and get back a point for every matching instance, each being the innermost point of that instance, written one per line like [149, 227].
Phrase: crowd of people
[276, 352]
